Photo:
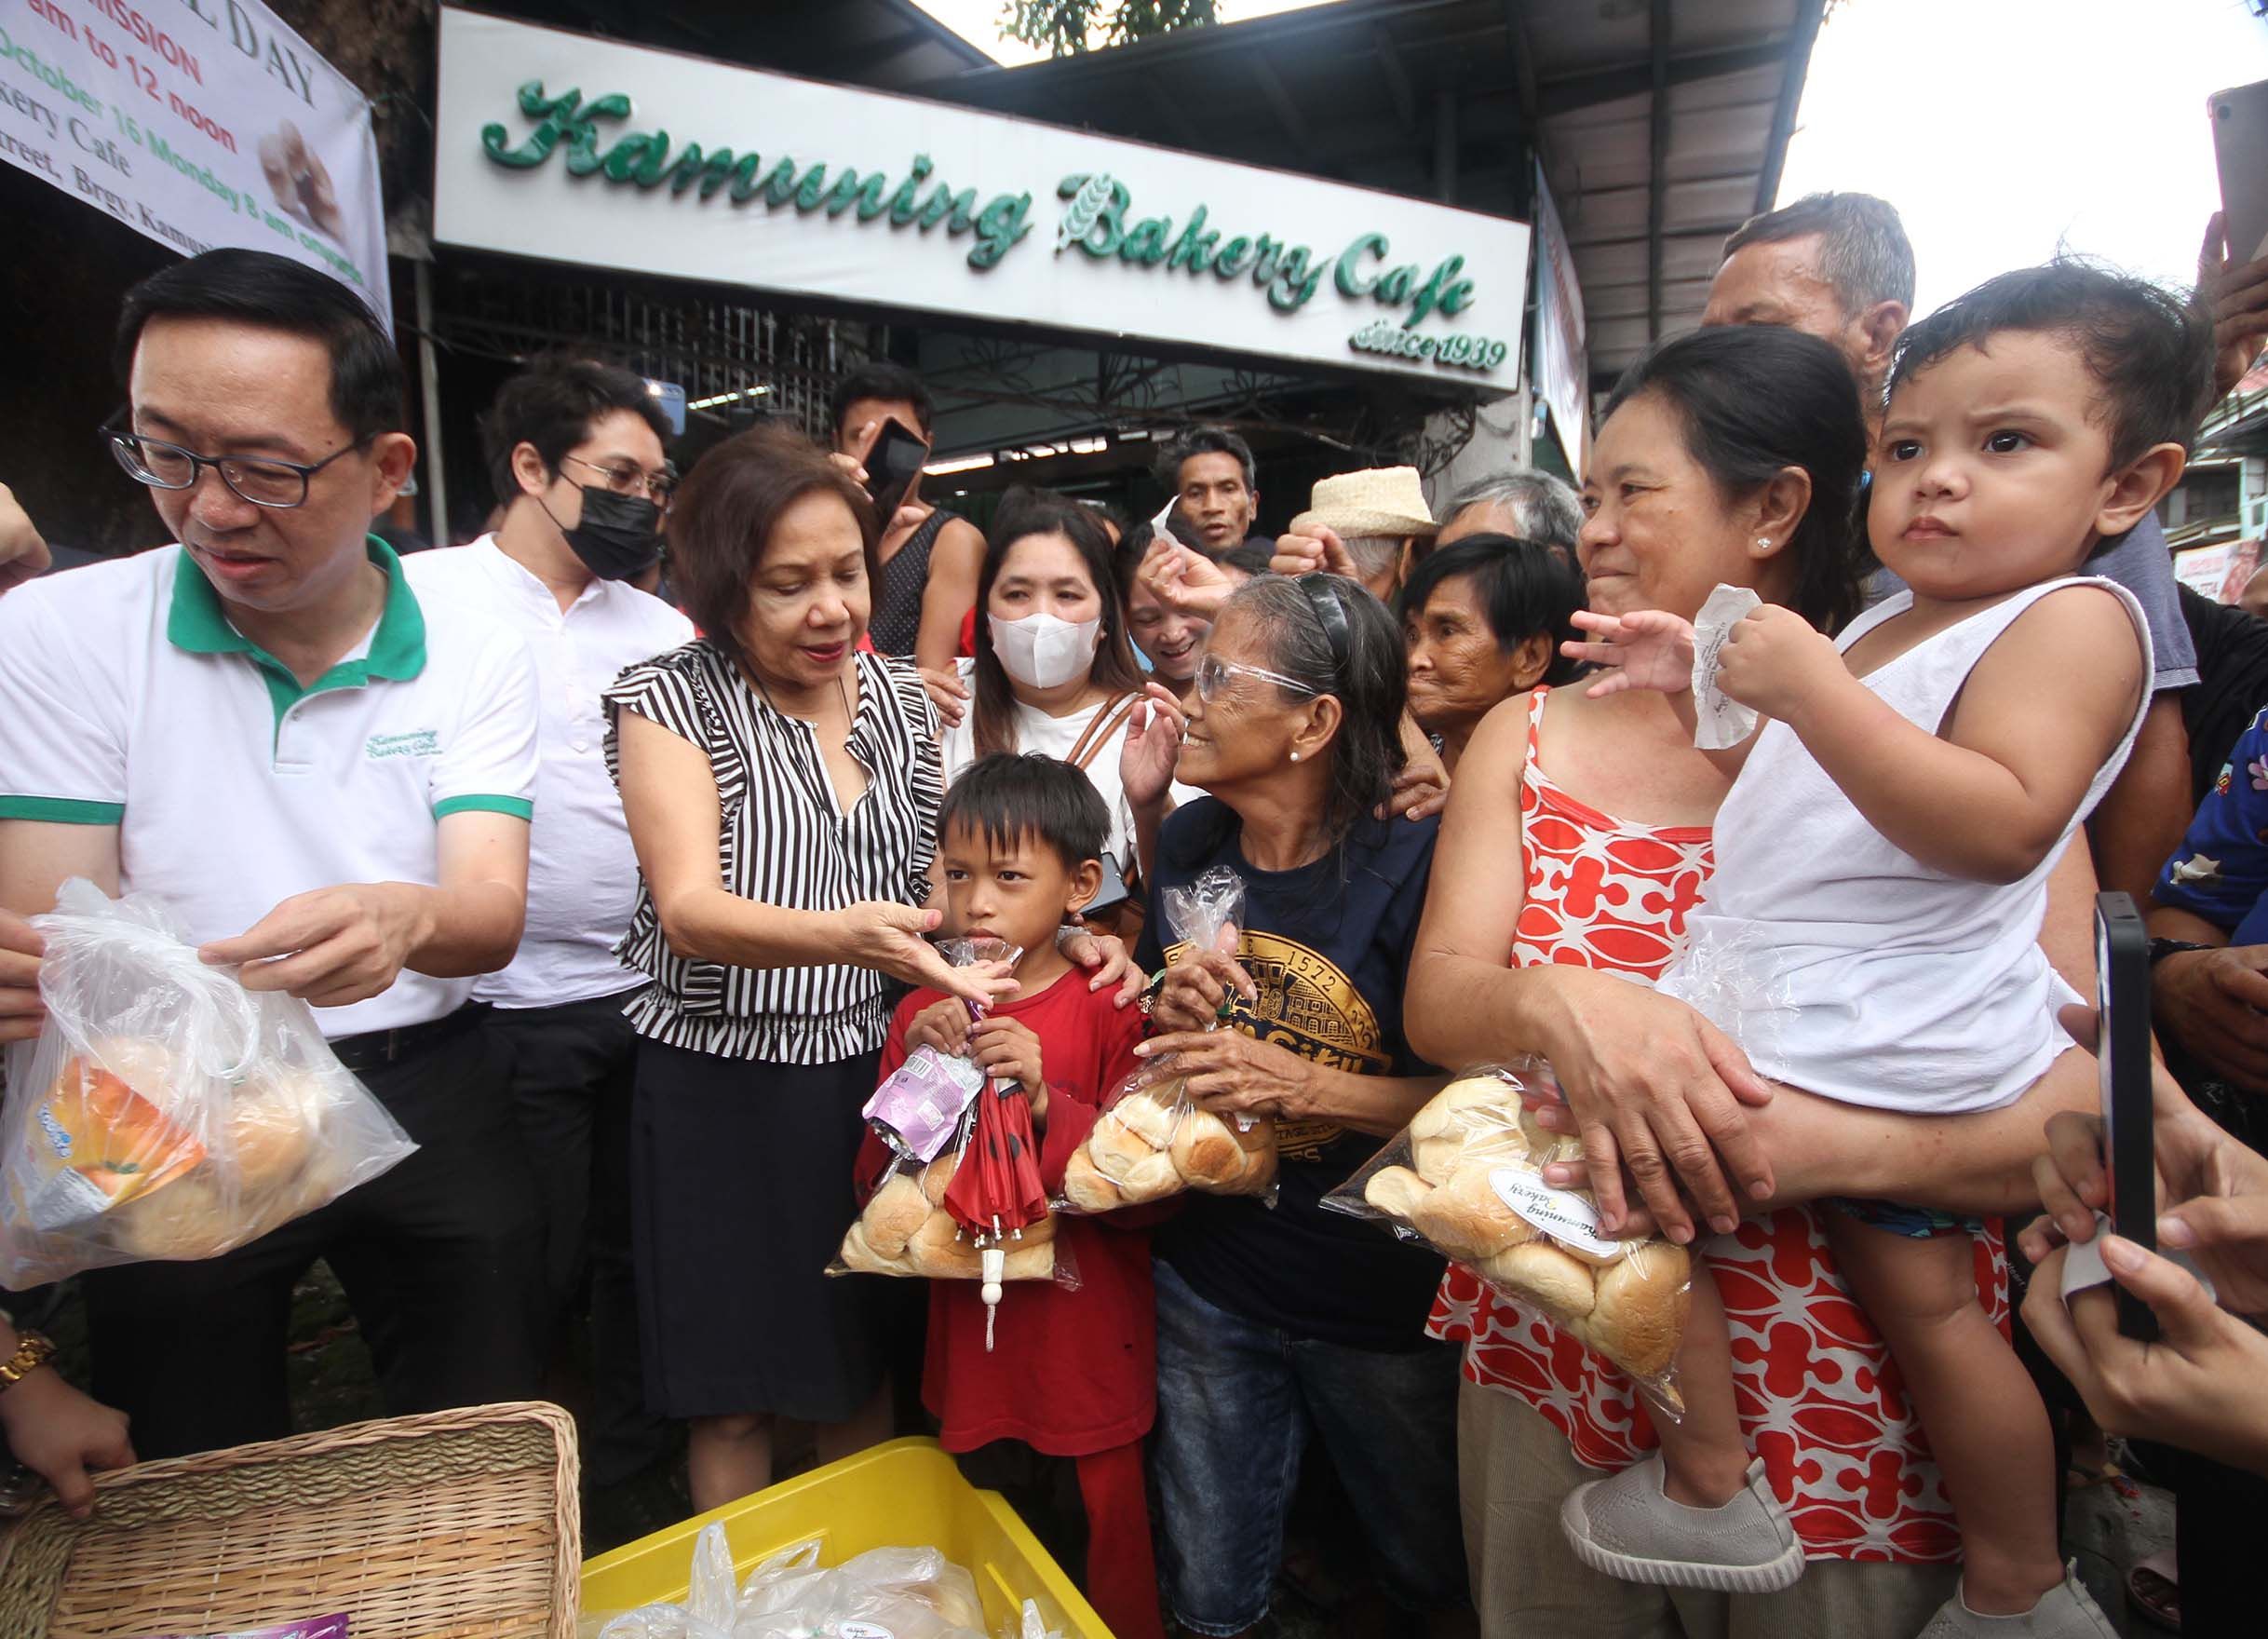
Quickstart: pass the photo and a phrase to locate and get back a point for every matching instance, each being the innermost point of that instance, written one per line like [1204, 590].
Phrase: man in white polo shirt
[575, 453]
[330, 783]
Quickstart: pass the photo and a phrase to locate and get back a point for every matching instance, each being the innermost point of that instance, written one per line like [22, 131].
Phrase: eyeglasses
[281, 485]
[1213, 675]
[631, 480]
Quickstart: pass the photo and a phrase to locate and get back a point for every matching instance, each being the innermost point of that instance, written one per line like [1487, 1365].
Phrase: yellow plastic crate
[907, 1493]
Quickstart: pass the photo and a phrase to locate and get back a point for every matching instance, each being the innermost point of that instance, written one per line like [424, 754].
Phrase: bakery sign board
[577, 150]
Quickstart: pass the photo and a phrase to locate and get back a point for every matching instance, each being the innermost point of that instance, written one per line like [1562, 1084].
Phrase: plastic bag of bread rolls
[1466, 1178]
[905, 1229]
[164, 1111]
[1151, 1142]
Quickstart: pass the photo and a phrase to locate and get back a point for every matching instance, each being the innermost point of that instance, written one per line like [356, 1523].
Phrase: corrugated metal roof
[1446, 99]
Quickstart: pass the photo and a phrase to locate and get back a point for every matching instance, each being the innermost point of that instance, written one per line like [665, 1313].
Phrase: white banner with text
[587, 152]
[199, 123]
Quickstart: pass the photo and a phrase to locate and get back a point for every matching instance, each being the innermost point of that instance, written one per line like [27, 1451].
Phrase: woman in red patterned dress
[1609, 807]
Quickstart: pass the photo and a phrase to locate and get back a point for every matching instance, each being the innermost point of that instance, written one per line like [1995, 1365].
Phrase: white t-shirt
[1058, 738]
[582, 872]
[127, 698]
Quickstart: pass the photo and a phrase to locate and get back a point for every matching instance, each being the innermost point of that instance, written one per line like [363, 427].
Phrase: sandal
[2155, 1593]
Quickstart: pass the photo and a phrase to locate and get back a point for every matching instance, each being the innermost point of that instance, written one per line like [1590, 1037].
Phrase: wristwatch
[32, 1351]
[2161, 948]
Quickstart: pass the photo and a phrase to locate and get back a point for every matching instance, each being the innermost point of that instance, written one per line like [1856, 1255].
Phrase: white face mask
[1041, 651]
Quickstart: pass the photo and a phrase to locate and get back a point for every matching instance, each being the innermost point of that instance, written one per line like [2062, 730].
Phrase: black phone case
[892, 466]
[2121, 982]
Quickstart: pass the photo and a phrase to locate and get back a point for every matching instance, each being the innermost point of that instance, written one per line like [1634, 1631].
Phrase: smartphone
[2240, 153]
[2122, 1053]
[892, 466]
[1113, 891]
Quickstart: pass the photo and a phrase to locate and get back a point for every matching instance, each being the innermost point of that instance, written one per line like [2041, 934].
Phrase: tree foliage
[1067, 27]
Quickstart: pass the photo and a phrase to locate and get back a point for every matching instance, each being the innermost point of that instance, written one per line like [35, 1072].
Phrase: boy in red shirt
[1073, 1374]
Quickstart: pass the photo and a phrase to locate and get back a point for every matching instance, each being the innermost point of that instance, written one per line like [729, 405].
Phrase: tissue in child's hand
[1719, 724]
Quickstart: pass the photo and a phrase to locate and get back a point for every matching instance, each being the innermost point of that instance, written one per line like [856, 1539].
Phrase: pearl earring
[1295, 756]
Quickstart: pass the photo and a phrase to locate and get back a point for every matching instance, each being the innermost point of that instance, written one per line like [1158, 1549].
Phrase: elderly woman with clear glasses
[1279, 1324]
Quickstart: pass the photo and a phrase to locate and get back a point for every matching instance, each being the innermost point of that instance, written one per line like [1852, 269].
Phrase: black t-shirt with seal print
[1329, 947]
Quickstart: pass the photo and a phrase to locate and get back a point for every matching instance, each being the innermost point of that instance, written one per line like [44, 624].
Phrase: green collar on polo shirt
[197, 624]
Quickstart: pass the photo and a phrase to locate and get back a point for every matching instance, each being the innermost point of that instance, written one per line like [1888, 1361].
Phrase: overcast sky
[1999, 128]
[2004, 128]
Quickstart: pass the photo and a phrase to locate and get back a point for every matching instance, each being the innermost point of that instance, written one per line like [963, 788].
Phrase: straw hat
[1383, 500]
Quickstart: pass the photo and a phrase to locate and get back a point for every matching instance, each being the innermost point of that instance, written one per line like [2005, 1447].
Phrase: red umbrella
[995, 1192]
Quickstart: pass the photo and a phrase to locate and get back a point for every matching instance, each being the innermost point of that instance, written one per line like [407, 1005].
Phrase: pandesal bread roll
[938, 1176]
[1257, 1139]
[187, 1217]
[1436, 1158]
[1147, 1114]
[1468, 1219]
[1151, 1178]
[938, 1251]
[1444, 1112]
[1085, 1187]
[149, 1067]
[1539, 1271]
[1204, 1150]
[1029, 1262]
[858, 1254]
[1639, 1313]
[1394, 1191]
[899, 1210]
[1115, 1148]
[1607, 1259]
[271, 1128]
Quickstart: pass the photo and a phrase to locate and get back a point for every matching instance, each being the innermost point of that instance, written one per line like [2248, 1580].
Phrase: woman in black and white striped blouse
[782, 791]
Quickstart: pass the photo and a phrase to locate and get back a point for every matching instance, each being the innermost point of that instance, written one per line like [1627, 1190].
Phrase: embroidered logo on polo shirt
[418, 742]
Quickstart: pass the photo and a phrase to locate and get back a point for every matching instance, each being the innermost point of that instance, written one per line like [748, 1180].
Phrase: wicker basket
[459, 1525]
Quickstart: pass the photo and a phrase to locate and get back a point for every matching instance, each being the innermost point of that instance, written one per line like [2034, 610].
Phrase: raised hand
[1647, 648]
[1187, 582]
[1320, 553]
[1151, 748]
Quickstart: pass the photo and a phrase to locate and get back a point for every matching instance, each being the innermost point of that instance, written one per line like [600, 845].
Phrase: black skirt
[740, 1192]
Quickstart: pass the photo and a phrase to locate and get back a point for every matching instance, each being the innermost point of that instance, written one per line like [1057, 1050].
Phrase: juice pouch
[96, 1143]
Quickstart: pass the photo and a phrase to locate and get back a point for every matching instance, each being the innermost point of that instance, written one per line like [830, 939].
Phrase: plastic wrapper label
[163, 1110]
[921, 1102]
[1719, 724]
[1561, 1213]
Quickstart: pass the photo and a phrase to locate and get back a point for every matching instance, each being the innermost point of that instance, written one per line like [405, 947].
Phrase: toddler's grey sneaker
[1626, 1527]
[2065, 1611]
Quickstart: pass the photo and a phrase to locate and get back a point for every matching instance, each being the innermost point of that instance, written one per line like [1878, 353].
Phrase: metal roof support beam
[1445, 147]
[1658, 183]
[1397, 74]
[1523, 67]
[1610, 85]
[1160, 97]
[1800, 40]
[1287, 113]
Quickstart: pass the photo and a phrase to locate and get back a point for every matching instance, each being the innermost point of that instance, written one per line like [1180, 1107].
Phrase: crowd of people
[624, 904]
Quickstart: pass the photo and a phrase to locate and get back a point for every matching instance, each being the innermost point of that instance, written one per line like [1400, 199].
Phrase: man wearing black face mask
[575, 450]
